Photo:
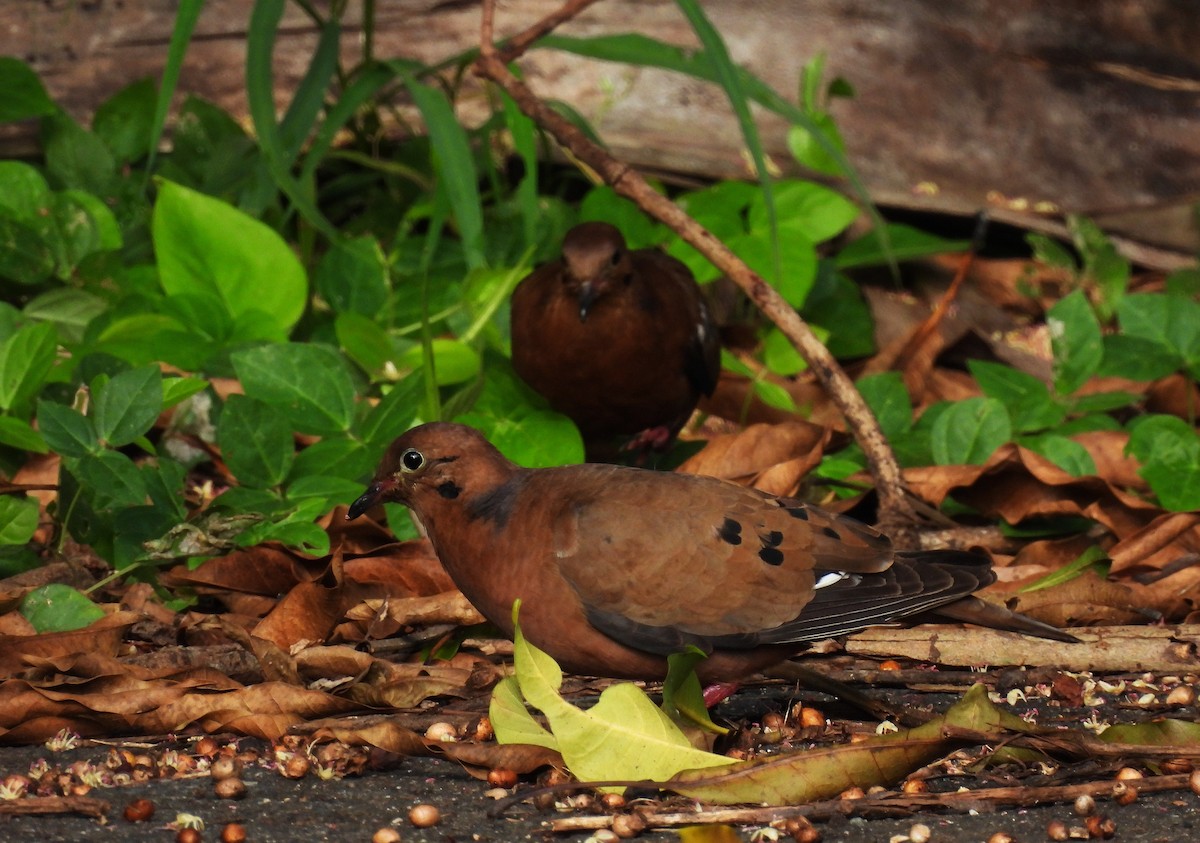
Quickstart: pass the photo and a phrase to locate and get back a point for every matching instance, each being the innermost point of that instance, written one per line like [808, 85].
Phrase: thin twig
[516, 46]
[890, 803]
[896, 511]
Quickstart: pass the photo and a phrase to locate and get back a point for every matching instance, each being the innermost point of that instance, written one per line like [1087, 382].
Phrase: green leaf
[731, 77]
[146, 338]
[18, 519]
[511, 720]
[836, 304]
[454, 361]
[455, 166]
[185, 15]
[1184, 282]
[206, 246]
[330, 491]
[75, 157]
[66, 430]
[24, 95]
[339, 459]
[523, 132]
[682, 696]
[1137, 358]
[308, 383]
[1066, 453]
[395, 413]
[1170, 322]
[603, 204]
[1101, 262]
[127, 406]
[517, 421]
[903, 241]
[365, 342]
[888, 398]
[295, 529]
[25, 360]
[1028, 400]
[1092, 559]
[774, 395]
[1169, 450]
[21, 435]
[810, 209]
[23, 190]
[125, 120]
[265, 17]
[970, 431]
[111, 480]
[780, 355]
[59, 608]
[81, 223]
[256, 442]
[1075, 341]
[809, 152]
[176, 390]
[25, 253]
[69, 309]
[353, 277]
[797, 260]
[1052, 253]
[623, 736]
[1103, 402]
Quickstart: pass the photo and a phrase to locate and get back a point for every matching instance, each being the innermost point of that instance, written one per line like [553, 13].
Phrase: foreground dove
[618, 340]
[617, 568]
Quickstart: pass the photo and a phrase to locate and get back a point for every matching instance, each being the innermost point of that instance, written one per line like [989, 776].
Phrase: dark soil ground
[354, 808]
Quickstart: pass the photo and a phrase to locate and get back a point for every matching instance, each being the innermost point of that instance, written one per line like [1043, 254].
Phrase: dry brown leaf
[1035, 560]
[104, 637]
[1107, 450]
[260, 570]
[14, 623]
[447, 607]
[1000, 281]
[1167, 538]
[41, 470]
[757, 449]
[266, 711]
[307, 613]
[1017, 484]
[1176, 395]
[735, 399]
[1087, 599]
[479, 758]
[400, 569]
[378, 732]
[382, 683]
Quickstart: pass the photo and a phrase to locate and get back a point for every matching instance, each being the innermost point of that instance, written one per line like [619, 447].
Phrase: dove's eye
[411, 460]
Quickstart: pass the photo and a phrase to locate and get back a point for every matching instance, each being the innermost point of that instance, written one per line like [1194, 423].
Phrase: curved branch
[895, 509]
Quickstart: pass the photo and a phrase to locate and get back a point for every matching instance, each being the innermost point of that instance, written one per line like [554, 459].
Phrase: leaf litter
[278, 646]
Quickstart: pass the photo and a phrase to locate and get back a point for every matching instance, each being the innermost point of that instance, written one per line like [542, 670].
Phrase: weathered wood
[1090, 105]
[1108, 649]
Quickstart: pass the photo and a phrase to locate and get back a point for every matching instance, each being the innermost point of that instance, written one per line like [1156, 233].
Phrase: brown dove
[619, 567]
[618, 340]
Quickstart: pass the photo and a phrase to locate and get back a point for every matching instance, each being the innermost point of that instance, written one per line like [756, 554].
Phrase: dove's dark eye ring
[411, 460]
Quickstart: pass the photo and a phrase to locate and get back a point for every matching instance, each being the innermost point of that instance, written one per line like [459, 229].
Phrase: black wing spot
[771, 539]
[730, 531]
[800, 512]
[449, 490]
[832, 533]
[771, 555]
